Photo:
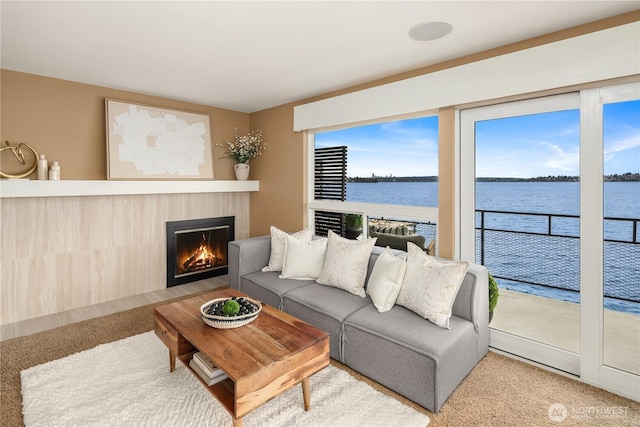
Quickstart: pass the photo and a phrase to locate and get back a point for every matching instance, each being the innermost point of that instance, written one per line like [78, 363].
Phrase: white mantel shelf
[65, 188]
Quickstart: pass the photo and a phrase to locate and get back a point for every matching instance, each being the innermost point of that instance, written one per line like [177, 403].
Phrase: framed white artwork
[146, 142]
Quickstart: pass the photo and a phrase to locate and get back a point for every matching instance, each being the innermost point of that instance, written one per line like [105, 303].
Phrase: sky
[402, 148]
[544, 144]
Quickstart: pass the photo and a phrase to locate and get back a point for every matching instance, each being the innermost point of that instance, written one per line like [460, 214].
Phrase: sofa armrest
[472, 302]
[247, 256]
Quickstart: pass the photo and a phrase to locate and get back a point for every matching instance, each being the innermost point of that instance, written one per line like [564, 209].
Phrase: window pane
[527, 223]
[390, 163]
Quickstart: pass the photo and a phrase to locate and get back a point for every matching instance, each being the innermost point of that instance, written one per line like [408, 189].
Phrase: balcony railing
[539, 252]
[544, 250]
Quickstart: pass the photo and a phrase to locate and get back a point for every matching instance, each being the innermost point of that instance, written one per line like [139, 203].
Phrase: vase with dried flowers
[243, 149]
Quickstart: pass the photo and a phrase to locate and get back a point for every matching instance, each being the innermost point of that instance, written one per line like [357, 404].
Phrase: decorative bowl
[229, 322]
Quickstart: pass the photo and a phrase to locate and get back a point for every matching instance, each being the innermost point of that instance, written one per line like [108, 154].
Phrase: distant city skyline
[519, 147]
[625, 177]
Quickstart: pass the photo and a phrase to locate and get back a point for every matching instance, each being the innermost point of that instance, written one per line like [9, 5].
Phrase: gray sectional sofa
[398, 348]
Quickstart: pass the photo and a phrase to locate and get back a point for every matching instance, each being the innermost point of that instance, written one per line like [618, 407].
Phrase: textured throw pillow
[303, 260]
[386, 279]
[430, 287]
[346, 262]
[278, 240]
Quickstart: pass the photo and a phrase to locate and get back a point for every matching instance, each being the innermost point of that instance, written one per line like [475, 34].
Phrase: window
[372, 174]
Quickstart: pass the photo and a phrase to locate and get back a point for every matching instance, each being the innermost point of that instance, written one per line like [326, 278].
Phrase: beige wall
[66, 121]
[281, 171]
[446, 183]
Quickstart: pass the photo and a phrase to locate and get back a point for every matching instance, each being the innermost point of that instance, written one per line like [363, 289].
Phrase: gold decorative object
[17, 152]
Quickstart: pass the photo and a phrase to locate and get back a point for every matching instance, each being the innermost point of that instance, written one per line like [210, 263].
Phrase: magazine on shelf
[209, 381]
[207, 365]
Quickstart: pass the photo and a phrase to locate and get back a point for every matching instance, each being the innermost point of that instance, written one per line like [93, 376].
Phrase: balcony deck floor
[557, 323]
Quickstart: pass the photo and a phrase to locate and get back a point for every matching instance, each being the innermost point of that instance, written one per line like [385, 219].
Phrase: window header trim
[601, 55]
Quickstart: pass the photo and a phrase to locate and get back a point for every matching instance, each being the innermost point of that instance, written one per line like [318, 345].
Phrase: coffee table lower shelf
[223, 391]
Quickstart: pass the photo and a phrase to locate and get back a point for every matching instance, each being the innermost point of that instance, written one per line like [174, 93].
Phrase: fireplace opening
[197, 249]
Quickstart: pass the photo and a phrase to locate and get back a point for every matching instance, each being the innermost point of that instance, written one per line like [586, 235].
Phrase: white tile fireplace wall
[62, 253]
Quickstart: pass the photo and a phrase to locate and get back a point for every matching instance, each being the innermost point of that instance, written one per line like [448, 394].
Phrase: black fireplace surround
[197, 249]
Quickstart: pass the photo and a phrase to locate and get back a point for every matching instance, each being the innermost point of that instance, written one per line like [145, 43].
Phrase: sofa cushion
[268, 288]
[303, 260]
[397, 241]
[409, 329]
[386, 279]
[345, 263]
[430, 287]
[325, 308]
[278, 244]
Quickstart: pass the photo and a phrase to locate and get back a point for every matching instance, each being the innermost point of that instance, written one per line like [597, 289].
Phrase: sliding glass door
[550, 203]
[526, 201]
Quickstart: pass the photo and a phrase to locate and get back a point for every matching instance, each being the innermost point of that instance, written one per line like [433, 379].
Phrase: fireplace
[197, 249]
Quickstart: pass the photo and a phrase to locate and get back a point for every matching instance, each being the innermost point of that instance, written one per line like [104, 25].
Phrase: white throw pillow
[346, 262]
[278, 240]
[430, 287]
[303, 260]
[386, 280]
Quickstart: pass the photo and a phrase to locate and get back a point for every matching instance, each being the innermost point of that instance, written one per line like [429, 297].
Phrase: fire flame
[202, 258]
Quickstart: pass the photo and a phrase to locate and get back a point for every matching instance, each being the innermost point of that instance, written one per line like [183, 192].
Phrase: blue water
[545, 261]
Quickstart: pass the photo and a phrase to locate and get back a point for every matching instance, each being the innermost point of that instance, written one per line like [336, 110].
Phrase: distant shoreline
[626, 177]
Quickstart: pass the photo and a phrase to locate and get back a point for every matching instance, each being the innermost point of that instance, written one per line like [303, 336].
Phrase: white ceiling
[252, 55]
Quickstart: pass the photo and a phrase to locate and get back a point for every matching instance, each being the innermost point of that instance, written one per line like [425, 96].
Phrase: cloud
[627, 143]
[562, 160]
[622, 155]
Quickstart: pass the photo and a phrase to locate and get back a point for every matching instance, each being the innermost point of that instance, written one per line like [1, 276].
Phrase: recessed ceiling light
[426, 31]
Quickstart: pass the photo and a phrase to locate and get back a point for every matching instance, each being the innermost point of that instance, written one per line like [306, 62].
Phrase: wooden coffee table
[262, 359]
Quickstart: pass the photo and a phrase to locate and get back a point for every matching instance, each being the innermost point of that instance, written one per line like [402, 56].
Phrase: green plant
[231, 307]
[493, 293]
[354, 221]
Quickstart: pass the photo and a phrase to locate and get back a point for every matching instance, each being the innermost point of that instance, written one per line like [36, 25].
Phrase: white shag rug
[128, 383]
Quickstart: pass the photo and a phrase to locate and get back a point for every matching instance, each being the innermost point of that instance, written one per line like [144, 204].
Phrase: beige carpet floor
[499, 392]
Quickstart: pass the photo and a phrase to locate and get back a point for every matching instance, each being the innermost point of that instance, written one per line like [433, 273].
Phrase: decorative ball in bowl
[227, 313]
